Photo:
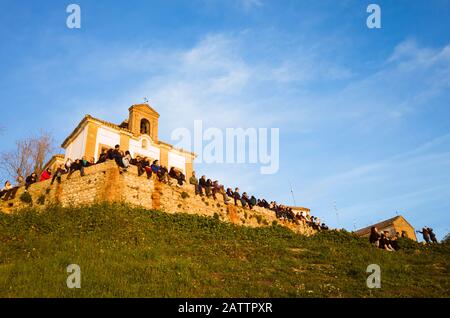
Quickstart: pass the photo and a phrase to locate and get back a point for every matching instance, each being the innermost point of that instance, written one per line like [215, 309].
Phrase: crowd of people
[148, 167]
[383, 239]
[387, 242]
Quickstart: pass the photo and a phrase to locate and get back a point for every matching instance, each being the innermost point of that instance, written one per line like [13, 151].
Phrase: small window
[145, 127]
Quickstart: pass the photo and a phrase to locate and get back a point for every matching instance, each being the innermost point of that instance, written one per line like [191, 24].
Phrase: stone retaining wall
[105, 183]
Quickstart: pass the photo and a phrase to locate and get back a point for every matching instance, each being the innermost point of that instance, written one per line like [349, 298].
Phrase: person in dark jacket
[230, 193]
[432, 235]
[75, 166]
[202, 184]
[30, 180]
[425, 234]
[237, 197]
[252, 202]
[374, 237]
[103, 157]
[58, 173]
[385, 243]
[162, 174]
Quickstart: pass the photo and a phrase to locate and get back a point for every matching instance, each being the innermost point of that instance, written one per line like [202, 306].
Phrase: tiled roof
[380, 225]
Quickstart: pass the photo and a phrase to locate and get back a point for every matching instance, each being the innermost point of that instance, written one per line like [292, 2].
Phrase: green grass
[131, 252]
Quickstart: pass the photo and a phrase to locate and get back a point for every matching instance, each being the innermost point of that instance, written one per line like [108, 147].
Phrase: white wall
[136, 149]
[106, 137]
[76, 149]
[177, 161]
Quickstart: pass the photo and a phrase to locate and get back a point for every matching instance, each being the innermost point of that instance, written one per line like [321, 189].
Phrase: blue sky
[364, 114]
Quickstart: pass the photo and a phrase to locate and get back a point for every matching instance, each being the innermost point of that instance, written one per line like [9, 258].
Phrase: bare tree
[29, 155]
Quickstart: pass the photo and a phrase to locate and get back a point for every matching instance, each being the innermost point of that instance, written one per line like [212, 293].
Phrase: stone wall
[105, 183]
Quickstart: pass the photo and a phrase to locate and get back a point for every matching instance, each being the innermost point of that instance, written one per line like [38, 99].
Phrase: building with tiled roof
[137, 134]
[393, 225]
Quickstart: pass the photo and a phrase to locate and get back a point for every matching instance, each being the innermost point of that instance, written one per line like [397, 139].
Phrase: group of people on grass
[148, 167]
[385, 241]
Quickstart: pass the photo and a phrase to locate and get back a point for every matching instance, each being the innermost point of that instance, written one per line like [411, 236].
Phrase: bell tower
[143, 120]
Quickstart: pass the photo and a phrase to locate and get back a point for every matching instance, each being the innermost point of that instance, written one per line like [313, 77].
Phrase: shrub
[26, 198]
[41, 200]
[184, 195]
[216, 216]
[259, 219]
[407, 244]
[274, 223]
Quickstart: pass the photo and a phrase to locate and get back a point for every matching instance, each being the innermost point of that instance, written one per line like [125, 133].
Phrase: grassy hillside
[130, 252]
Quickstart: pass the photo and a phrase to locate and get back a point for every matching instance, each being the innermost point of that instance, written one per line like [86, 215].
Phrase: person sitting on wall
[194, 181]
[236, 196]
[118, 155]
[103, 157]
[75, 166]
[110, 154]
[202, 185]
[135, 161]
[45, 175]
[245, 198]
[230, 193]
[9, 191]
[252, 202]
[5, 189]
[215, 188]
[177, 175]
[162, 174]
[226, 200]
[181, 178]
[30, 180]
[173, 173]
[208, 188]
[68, 164]
[156, 167]
[126, 161]
[84, 163]
[58, 173]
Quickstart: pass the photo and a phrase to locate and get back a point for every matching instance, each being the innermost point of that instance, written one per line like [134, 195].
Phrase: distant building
[138, 134]
[394, 225]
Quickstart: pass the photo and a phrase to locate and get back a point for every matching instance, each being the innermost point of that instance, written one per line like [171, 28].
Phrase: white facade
[107, 137]
[142, 147]
[77, 148]
[177, 161]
